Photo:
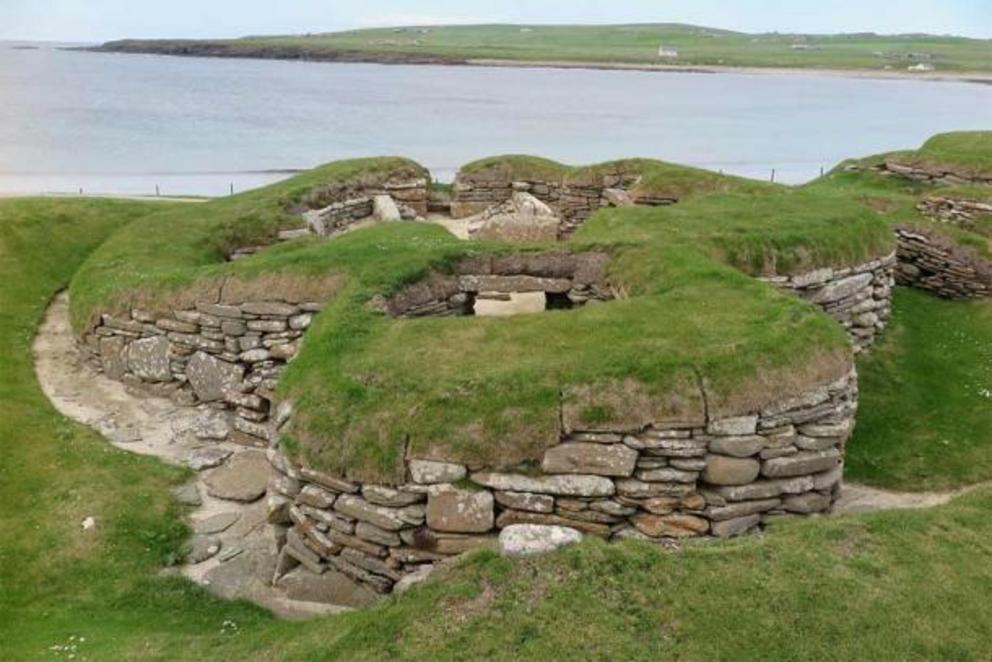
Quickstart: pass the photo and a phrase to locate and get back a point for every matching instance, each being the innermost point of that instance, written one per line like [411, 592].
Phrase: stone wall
[574, 202]
[930, 175]
[577, 278]
[412, 192]
[931, 262]
[859, 298]
[717, 478]
[957, 211]
[230, 356]
[338, 215]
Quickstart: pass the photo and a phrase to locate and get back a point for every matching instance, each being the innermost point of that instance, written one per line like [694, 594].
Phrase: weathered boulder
[384, 209]
[212, 378]
[590, 458]
[148, 358]
[460, 511]
[724, 470]
[526, 539]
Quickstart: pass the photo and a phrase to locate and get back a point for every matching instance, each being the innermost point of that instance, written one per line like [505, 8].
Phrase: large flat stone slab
[561, 485]
[590, 458]
[244, 477]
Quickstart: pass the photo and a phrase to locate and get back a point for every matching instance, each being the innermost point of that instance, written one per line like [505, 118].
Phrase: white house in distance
[668, 53]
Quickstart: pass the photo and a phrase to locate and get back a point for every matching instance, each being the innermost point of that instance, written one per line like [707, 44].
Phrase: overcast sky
[100, 20]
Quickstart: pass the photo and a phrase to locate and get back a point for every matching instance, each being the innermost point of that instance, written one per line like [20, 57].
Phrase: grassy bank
[925, 420]
[601, 44]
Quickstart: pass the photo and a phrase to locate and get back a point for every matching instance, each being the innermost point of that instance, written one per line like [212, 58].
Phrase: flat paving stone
[216, 523]
[243, 478]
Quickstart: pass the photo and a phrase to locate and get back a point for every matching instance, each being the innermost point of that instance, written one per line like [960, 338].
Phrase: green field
[606, 44]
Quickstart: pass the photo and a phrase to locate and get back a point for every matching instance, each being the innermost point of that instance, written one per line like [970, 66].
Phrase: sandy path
[157, 427]
[856, 498]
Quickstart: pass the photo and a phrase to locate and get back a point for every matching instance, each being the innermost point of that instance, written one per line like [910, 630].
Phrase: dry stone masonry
[931, 262]
[957, 211]
[229, 356]
[930, 175]
[859, 298]
[566, 280]
[574, 202]
[665, 483]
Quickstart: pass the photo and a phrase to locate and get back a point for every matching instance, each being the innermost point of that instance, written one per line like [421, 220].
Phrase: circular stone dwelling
[628, 350]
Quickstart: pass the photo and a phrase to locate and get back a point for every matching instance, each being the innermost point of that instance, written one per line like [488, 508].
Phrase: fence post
[773, 175]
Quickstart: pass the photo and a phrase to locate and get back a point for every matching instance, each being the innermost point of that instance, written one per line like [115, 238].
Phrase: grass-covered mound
[657, 179]
[965, 154]
[369, 386]
[925, 420]
[897, 199]
[157, 264]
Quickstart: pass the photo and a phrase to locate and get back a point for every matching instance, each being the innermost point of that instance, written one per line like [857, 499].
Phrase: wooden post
[773, 175]
[821, 171]
[156, 191]
[232, 188]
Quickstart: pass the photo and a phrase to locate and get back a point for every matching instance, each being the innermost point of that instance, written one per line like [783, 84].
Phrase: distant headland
[644, 47]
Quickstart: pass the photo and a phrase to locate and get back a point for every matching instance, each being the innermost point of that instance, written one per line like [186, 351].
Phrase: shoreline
[385, 58]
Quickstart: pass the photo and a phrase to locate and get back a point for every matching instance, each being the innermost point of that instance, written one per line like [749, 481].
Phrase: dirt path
[231, 536]
[863, 499]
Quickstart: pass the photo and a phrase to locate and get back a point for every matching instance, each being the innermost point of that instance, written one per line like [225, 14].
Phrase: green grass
[925, 420]
[963, 153]
[895, 199]
[621, 44]
[899, 585]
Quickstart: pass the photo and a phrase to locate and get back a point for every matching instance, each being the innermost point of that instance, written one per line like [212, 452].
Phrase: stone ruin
[700, 475]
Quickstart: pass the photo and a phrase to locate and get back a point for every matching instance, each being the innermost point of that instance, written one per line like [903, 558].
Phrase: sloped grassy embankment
[894, 585]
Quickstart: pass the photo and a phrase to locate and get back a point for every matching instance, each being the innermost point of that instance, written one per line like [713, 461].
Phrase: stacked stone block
[574, 202]
[230, 356]
[930, 262]
[666, 483]
[859, 297]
